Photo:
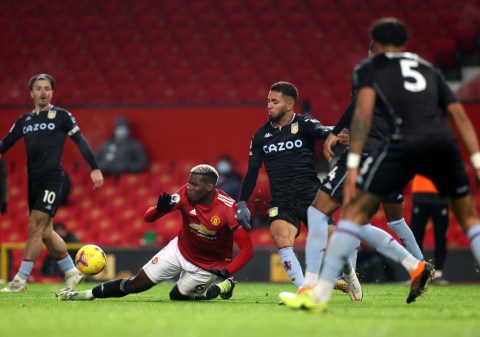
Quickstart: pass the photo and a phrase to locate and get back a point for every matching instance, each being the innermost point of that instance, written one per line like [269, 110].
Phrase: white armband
[353, 160]
[475, 159]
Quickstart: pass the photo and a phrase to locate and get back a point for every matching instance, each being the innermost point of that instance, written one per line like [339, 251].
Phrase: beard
[277, 118]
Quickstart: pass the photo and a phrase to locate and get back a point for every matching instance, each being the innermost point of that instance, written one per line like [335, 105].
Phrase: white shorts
[169, 262]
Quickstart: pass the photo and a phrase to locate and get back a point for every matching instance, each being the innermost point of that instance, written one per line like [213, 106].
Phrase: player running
[44, 131]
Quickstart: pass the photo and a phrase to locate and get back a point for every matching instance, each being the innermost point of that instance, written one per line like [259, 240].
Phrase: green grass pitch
[253, 311]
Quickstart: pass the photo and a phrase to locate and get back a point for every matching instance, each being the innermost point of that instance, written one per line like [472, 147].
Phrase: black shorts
[293, 212]
[332, 184]
[44, 193]
[436, 158]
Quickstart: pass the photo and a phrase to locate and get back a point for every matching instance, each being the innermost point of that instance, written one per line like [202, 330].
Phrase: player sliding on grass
[200, 253]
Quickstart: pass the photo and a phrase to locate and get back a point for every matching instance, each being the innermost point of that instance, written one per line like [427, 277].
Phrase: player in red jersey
[201, 251]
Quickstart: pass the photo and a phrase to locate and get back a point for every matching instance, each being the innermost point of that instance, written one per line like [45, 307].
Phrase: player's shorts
[438, 159]
[332, 184]
[169, 262]
[45, 193]
[293, 212]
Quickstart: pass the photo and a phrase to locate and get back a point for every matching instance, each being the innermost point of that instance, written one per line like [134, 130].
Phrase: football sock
[316, 244]
[110, 289]
[474, 236]
[342, 243]
[384, 243]
[25, 269]
[405, 234]
[291, 265]
[66, 263]
[212, 292]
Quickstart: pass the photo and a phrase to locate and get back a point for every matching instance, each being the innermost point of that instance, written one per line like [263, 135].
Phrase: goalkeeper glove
[243, 216]
[164, 203]
[222, 273]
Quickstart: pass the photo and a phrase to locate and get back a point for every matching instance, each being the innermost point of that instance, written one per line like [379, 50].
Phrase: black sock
[212, 292]
[110, 289]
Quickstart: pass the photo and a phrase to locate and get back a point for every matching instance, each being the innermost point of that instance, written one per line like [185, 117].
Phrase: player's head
[281, 100]
[39, 77]
[389, 32]
[41, 90]
[201, 183]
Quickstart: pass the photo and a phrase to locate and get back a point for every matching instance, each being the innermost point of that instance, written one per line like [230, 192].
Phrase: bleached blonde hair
[207, 171]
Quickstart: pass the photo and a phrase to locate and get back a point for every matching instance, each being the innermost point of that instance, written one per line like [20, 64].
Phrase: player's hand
[344, 137]
[97, 178]
[222, 273]
[243, 216]
[327, 146]
[350, 186]
[164, 203]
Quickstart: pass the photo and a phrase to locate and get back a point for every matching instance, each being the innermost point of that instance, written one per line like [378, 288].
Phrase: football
[90, 259]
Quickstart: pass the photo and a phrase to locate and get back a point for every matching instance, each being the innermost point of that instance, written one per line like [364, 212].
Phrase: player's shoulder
[224, 199]
[305, 120]
[263, 128]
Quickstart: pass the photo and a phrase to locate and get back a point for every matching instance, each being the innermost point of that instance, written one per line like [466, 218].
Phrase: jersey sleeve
[445, 94]
[256, 152]
[69, 124]
[345, 119]
[12, 136]
[363, 75]
[319, 131]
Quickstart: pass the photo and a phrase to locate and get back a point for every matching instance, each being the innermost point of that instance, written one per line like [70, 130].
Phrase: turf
[253, 311]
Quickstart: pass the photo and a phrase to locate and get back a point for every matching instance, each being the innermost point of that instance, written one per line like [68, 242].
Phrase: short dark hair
[389, 31]
[287, 89]
[208, 173]
[41, 77]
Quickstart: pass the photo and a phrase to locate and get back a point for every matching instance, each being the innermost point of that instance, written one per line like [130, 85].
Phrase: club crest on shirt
[273, 212]
[294, 128]
[215, 220]
[51, 114]
[155, 260]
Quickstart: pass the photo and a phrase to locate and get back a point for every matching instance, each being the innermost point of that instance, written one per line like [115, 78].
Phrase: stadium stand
[154, 53]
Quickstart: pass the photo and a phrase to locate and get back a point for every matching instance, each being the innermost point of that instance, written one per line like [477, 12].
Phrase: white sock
[410, 263]
[405, 234]
[474, 236]
[291, 265]
[342, 243]
[323, 291]
[383, 242]
[316, 244]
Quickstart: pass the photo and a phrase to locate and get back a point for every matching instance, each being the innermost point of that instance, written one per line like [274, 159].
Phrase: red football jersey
[206, 237]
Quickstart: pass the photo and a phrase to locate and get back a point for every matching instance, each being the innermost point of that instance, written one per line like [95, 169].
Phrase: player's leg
[57, 248]
[111, 289]
[283, 234]
[440, 219]
[38, 221]
[396, 222]
[197, 285]
[419, 218]
[318, 215]
[464, 210]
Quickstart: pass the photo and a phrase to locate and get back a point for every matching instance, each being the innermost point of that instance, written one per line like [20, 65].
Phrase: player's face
[41, 93]
[197, 189]
[278, 106]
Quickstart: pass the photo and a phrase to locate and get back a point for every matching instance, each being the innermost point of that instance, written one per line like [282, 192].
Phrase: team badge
[294, 128]
[215, 220]
[155, 260]
[51, 114]
[272, 212]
